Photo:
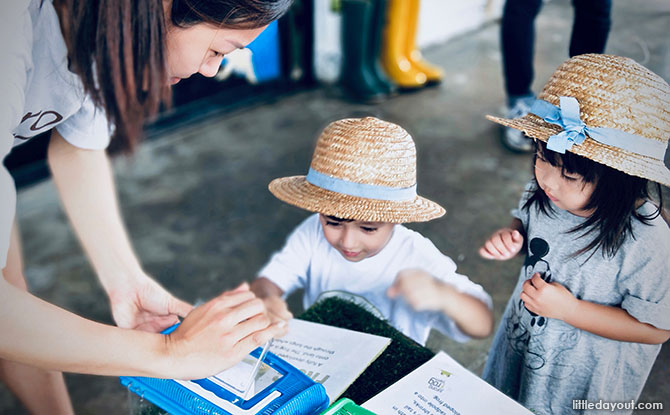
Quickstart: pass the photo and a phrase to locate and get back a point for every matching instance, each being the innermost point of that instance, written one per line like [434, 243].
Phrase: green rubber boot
[377, 33]
[357, 76]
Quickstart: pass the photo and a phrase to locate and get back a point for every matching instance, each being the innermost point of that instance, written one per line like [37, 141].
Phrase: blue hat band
[367, 191]
[575, 131]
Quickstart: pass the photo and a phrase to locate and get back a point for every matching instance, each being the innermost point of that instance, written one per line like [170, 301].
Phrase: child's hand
[502, 245]
[419, 289]
[548, 299]
[277, 309]
[423, 292]
[271, 294]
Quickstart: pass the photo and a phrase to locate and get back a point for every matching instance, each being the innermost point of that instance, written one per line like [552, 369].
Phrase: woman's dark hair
[118, 49]
[614, 200]
[241, 14]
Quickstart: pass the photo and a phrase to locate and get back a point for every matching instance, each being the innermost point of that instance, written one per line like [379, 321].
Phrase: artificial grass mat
[400, 357]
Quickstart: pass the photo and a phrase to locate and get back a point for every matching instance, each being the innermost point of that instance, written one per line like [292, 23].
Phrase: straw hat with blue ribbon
[607, 108]
[362, 169]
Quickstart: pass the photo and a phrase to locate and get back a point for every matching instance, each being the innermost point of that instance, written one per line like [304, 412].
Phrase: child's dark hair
[614, 201]
[336, 219]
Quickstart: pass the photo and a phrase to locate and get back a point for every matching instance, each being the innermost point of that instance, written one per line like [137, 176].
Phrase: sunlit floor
[201, 218]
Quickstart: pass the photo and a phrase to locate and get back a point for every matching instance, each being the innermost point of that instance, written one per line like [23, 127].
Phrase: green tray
[346, 406]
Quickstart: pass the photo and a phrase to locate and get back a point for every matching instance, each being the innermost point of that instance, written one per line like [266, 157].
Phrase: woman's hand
[504, 244]
[419, 289]
[143, 304]
[218, 334]
[548, 299]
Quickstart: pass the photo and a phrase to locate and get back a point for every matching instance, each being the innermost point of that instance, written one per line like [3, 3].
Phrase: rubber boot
[393, 57]
[357, 77]
[433, 73]
[376, 35]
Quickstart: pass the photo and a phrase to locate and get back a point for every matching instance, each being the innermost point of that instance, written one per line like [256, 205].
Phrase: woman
[86, 70]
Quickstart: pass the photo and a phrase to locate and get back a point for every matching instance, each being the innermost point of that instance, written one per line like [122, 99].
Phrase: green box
[346, 406]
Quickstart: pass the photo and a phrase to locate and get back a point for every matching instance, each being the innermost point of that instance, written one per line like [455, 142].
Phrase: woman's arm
[555, 301]
[16, 50]
[213, 337]
[40, 334]
[86, 186]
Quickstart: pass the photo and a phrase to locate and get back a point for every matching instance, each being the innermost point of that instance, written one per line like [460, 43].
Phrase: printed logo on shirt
[40, 121]
[526, 330]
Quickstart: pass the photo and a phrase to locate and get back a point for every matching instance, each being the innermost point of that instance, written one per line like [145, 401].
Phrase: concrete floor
[201, 218]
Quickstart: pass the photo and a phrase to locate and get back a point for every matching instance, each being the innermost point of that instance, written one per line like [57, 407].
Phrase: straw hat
[620, 103]
[362, 169]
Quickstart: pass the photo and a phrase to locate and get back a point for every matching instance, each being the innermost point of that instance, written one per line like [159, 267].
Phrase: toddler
[592, 303]
[362, 186]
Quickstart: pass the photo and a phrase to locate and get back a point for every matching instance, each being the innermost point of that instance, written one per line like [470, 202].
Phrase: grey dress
[545, 363]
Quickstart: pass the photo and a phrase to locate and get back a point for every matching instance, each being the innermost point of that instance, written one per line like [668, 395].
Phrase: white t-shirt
[308, 261]
[38, 92]
[54, 96]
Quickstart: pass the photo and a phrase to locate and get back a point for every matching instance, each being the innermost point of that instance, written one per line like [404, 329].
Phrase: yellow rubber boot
[393, 52]
[434, 74]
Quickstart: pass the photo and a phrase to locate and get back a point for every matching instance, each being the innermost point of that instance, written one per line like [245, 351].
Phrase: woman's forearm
[42, 335]
[86, 186]
[212, 338]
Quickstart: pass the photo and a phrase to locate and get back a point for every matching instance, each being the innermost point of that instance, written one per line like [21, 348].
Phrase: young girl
[73, 68]
[592, 304]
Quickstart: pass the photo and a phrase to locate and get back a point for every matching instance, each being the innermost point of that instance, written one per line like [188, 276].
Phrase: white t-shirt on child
[308, 261]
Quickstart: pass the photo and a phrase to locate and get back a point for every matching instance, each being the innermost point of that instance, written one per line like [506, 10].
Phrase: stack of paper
[441, 386]
[329, 355]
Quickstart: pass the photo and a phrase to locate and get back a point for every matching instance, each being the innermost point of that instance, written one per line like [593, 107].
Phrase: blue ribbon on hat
[368, 191]
[575, 131]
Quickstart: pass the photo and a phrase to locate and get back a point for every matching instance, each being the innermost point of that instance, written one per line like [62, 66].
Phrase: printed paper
[329, 355]
[441, 386]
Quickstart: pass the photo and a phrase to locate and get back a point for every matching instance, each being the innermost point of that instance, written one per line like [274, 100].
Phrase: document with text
[331, 356]
[442, 386]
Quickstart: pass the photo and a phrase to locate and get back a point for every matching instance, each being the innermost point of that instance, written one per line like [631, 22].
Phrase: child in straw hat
[592, 304]
[362, 186]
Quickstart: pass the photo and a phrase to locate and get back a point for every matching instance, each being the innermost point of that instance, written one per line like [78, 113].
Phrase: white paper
[236, 377]
[235, 380]
[329, 355]
[441, 386]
